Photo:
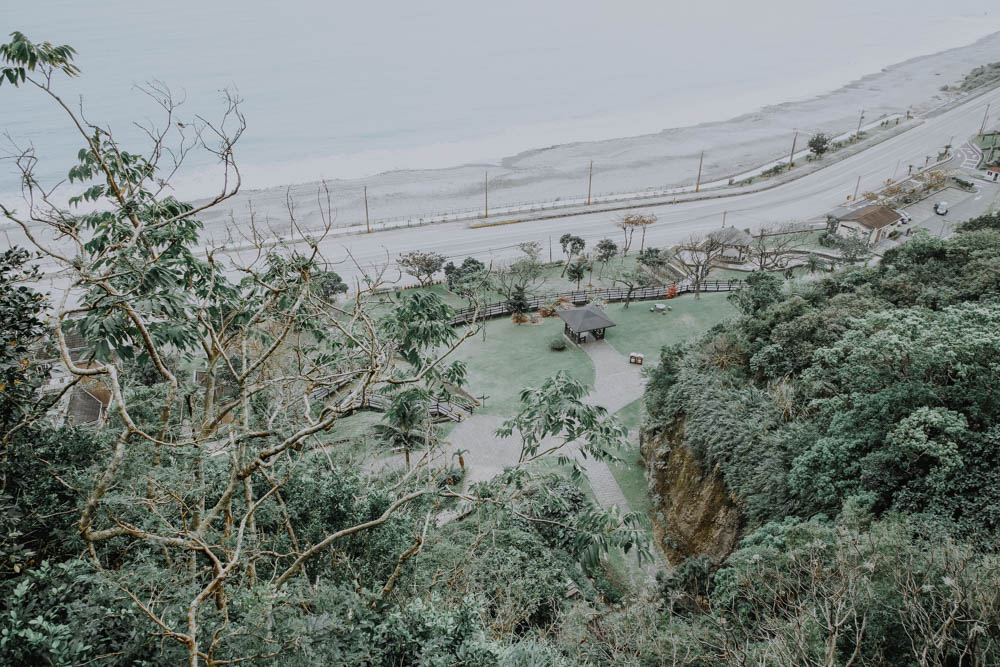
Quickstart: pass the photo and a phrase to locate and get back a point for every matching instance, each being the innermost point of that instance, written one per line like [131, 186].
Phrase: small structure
[87, 406]
[583, 320]
[993, 174]
[870, 222]
[735, 243]
[636, 358]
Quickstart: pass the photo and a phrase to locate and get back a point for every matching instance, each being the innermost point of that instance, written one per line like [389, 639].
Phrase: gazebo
[583, 320]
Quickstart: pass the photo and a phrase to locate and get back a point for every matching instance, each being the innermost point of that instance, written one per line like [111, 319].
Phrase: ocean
[346, 89]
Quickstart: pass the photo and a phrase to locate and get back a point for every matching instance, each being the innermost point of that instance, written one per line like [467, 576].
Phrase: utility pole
[697, 183]
[590, 181]
[857, 135]
[368, 224]
[855, 197]
[724, 218]
[791, 156]
[486, 195]
[550, 250]
[927, 161]
[897, 168]
[985, 115]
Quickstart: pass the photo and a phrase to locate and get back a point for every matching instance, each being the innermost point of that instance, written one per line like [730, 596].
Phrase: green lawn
[514, 357]
[631, 415]
[639, 330]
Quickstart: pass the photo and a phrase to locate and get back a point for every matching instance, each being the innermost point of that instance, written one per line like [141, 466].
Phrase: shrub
[557, 344]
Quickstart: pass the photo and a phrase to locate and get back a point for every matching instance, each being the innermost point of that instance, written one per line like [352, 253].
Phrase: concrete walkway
[617, 383]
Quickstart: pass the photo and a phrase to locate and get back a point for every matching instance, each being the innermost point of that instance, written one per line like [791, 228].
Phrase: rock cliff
[695, 513]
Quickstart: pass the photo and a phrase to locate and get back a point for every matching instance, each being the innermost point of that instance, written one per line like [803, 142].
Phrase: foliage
[652, 258]
[576, 271]
[558, 343]
[421, 265]
[328, 284]
[819, 143]
[21, 310]
[518, 302]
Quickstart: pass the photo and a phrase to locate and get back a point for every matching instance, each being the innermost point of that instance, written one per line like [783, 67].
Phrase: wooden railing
[610, 294]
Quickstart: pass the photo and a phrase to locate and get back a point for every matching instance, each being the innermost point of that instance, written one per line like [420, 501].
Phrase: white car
[941, 208]
[904, 217]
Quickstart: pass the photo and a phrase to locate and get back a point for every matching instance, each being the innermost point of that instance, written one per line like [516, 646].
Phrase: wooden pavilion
[583, 320]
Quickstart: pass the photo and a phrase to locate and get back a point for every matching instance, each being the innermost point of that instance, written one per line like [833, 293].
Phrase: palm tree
[813, 262]
[405, 423]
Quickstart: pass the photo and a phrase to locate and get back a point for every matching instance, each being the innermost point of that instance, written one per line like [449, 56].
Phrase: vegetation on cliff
[855, 421]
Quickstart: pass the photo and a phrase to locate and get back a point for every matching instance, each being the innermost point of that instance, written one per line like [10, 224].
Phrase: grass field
[639, 330]
[514, 357]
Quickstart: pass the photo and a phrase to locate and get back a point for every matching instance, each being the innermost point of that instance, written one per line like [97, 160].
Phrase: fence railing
[611, 294]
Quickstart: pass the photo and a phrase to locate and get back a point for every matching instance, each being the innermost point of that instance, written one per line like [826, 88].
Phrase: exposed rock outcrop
[696, 514]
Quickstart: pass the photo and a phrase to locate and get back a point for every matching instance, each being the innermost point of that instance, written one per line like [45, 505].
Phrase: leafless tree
[772, 249]
[698, 256]
[628, 223]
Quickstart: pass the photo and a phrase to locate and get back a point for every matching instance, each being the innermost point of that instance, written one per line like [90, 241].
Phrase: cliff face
[696, 514]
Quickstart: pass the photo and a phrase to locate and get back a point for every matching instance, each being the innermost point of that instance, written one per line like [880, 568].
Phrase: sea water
[335, 89]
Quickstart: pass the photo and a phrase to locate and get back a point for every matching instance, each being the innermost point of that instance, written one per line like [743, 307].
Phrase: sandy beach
[628, 164]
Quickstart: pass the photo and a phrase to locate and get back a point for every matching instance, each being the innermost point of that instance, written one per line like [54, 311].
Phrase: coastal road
[808, 197]
[804, 198]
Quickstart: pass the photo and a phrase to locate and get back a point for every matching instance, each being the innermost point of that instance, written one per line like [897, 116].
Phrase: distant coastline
[666, 158]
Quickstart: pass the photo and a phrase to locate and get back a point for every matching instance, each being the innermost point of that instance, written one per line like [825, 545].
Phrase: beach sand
[629, 164]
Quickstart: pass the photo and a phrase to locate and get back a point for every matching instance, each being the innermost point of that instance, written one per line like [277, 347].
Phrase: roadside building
[993, 174]
[872, 223]
[735, 243]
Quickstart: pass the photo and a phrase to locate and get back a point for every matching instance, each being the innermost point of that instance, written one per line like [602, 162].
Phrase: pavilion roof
[585, 318]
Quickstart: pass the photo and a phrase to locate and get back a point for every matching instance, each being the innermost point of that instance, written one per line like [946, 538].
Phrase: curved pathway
[617, 383]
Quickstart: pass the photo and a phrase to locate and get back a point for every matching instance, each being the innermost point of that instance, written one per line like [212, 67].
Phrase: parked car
[906, 217]
[941, 208]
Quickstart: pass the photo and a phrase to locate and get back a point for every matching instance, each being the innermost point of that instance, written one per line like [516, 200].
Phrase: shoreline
[630, 164]
[665, 159]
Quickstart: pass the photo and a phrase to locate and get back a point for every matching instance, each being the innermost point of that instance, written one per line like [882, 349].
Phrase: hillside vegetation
[855, 422]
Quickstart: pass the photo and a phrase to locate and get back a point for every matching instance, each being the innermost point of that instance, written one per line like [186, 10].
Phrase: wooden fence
[610, 294]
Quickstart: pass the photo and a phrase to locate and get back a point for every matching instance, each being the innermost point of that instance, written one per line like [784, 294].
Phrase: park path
[617, 383]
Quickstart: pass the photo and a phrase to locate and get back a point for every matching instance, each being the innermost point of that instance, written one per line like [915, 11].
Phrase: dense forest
[210, 518]
[854, 421]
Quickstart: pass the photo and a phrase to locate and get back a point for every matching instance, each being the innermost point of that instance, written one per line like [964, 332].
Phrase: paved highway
[805, 198]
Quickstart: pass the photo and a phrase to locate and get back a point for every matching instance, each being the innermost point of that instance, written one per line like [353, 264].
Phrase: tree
[606, 249]
[406, 425]
[853, 248]
[771, 249]
[518, 304]
[421, 265]
[532, 249]
[328, 284]
[525, 273]
[628, 223]
[456, 275]
[571, 246]
[813, 262]
[653, 259]
[21, 325]
[577, 271]
[632, 279]
[819, 143]
[698, 255]
[761, 291]
[191, 506]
